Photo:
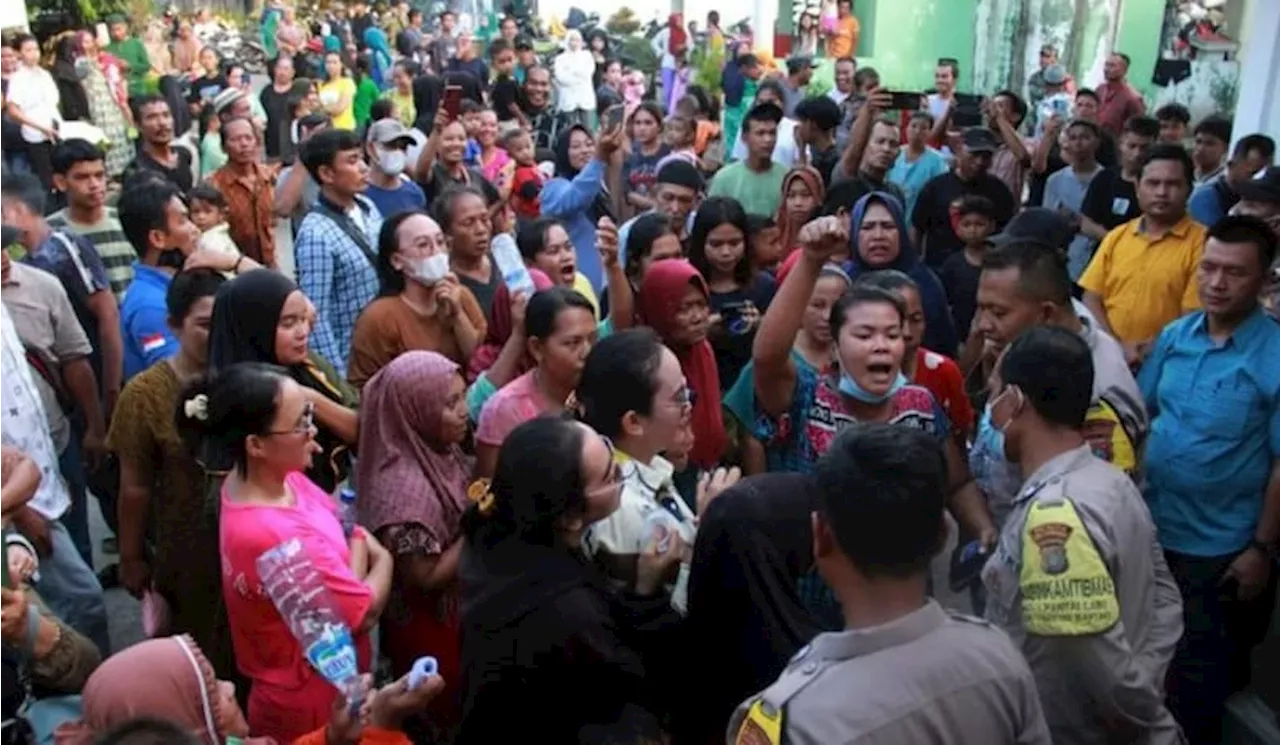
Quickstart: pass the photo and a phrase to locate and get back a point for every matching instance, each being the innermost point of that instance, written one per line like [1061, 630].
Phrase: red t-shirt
[941, 376]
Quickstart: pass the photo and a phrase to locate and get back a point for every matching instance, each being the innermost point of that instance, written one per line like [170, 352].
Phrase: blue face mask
[849, 387]
[998, 479]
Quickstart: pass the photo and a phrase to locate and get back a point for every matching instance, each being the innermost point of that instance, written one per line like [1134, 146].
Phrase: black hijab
[427, 92]
[564, 169]
[246, 313]
[746, 617]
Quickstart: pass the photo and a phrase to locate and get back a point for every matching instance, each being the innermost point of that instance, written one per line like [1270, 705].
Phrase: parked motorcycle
[230, 44]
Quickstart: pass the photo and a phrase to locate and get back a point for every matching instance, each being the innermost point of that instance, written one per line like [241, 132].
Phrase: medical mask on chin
[430, 270]
[392, 162]
[849, 387]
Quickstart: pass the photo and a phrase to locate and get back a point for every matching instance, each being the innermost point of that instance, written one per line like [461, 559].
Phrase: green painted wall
[1139, 37]
[905, 38]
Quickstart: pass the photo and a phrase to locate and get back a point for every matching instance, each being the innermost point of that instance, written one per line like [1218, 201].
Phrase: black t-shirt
[733, 350]
[932, 216]
[960, 280]
[205, 88]
[278, 140]
[1110, 200]
[441, 180]
[484, 291]
[180, 176]
[504, 94]
[825, 162]
[476, 68]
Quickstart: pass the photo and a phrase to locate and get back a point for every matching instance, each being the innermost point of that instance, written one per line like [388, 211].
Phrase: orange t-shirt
[845, 40]
[388, 327]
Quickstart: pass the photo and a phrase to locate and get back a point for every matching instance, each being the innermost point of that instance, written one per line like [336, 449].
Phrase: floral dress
[107, 116]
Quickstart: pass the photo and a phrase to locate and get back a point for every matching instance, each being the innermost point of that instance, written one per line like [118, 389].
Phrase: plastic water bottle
[296, 588]
[347, 511]
[511, 265]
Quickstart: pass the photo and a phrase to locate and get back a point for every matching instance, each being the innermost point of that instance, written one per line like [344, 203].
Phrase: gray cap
[799, 62]
[1055, 75]
[1264, 187]
[388, 131]
[980, 140]
[225, 98]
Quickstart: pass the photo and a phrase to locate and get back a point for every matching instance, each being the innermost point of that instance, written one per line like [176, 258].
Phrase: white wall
[1258, 104]
[13, 14]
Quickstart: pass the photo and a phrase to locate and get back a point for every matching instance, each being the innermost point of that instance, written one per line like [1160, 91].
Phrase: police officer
[904, 670]
[1078, 578]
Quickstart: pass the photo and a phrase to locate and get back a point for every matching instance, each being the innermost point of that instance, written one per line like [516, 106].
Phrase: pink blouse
[289, 698]
[514, 404]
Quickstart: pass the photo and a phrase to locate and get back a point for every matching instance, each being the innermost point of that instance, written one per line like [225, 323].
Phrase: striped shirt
[108, 238]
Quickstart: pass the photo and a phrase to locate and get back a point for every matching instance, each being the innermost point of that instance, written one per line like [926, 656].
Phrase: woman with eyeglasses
[634, 392]
[546, 642]
[262, 316]
[258, 425]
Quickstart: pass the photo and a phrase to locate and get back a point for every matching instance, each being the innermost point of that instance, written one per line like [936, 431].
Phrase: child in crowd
[766, 242]
[678, 134]
[209, 213]
[975, 220]
[470, 112]
[527, 181]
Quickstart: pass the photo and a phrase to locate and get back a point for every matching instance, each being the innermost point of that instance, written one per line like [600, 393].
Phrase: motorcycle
[231, 45]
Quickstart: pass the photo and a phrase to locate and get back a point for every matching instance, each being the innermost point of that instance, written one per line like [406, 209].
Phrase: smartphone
[452, 101]
[967, 562]
[905, 100]
[732, 315]
[612, 118]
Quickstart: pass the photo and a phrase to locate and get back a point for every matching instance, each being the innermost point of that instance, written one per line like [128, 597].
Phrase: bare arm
[468, 336]
[1092, 229]
[103, 306]
[336, 418]
[78, 377]
[966, 504]
[290, 192]
[860, 132]
[427, 573]
[423, 170]
[21, 478]
[1040, 162]
[133, 512]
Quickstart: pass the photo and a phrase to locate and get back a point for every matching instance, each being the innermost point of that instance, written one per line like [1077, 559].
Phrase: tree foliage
[624, 22]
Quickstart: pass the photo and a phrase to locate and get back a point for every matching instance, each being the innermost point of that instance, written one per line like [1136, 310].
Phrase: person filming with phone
[1078, 579]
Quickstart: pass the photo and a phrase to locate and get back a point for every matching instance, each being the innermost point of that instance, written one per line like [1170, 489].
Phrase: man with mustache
[158, 153]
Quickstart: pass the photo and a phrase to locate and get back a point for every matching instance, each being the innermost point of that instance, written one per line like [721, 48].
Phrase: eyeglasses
[304, 424]
[686, 396]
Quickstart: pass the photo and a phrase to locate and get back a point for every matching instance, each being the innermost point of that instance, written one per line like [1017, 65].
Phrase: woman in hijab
[73, 101]
[752, 600]
[375, 39]
[262, 316]
[186, 50]
[674, 301]
[577, 196]
[802, 193]
[167, 679]
[412, 479]
[542, 630]
[427, 91]
[878, 239]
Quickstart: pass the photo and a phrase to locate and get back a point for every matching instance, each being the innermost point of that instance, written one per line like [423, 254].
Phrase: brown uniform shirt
[389, 327]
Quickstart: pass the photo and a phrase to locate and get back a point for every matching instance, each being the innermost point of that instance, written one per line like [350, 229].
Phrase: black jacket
[548, 649]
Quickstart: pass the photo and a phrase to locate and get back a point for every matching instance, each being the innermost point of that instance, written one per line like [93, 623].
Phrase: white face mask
[392, 162]
[430, 270]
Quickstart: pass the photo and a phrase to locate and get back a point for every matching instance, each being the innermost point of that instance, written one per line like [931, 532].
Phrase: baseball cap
[1264, 187]
[1055, 75]
[1038, 224]
[390, 131]
[524, 42]
[800, 62]
[980, 140]
[225, 98]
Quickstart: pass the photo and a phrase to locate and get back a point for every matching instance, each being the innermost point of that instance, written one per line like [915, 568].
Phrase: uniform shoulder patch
[1066, 587]
[761, 726]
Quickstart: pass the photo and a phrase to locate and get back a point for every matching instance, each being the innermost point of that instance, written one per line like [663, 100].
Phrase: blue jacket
[940, 329]
[570, 201]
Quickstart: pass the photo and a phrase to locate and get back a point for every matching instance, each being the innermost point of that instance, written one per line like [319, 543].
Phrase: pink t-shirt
[289, 698]
[514, 404]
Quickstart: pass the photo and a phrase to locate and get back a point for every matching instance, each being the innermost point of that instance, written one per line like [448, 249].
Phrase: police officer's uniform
[929, 678]
[1079, 581]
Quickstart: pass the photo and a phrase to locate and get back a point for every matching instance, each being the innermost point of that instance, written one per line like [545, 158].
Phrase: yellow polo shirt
[1146, 281]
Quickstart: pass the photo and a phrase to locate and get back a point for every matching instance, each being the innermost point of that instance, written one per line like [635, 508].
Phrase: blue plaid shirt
[336, 274]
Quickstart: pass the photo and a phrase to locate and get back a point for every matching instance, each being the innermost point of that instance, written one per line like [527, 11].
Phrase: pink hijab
[401, 478]
[167, 678]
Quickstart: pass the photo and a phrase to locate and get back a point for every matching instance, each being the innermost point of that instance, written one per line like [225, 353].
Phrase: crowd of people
[659, 403]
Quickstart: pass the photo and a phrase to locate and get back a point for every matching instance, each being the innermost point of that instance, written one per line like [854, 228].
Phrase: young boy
[209, 213]
[505, 93]
[766, 243]
[1174, 120]
[975, 220]
[469, 113]
[526, 182]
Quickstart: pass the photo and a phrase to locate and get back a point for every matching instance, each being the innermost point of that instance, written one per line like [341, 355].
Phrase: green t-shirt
[759, 193]
[366, 93]
[135, 56]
